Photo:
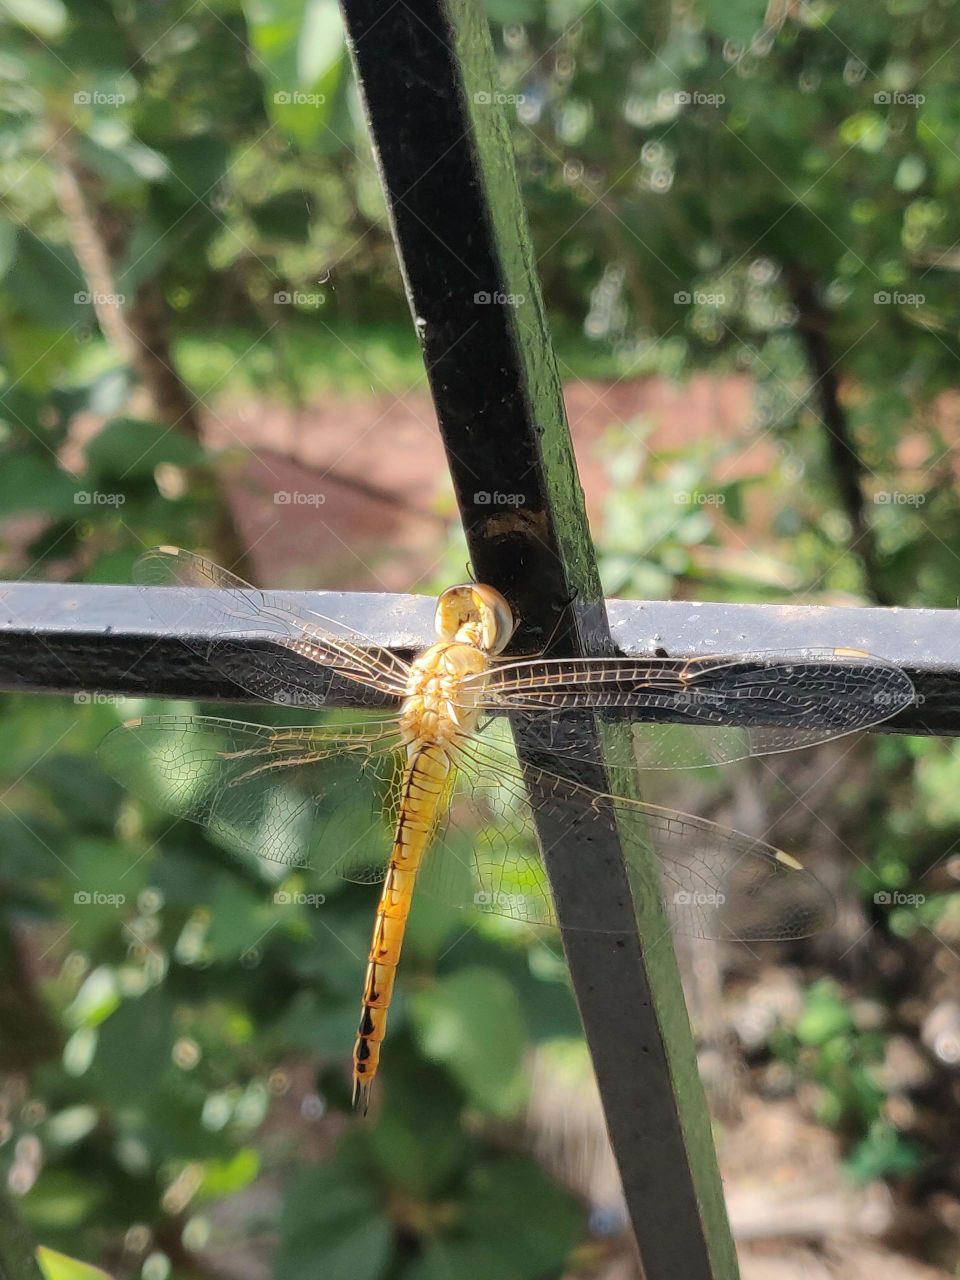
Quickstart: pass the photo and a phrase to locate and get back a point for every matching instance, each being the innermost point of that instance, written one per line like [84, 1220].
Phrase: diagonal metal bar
[68, 638]
[426, 74]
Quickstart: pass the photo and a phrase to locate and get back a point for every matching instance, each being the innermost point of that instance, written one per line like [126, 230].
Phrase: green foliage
[827, 1046]
[185, 986]
[332, 1225]
[512, 1223]
[57, 1266]
[708, 184]
[884, 1153]
[471, 1021]
[498, 1217]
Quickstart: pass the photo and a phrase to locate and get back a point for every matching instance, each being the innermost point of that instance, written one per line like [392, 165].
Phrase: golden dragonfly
[437, 749]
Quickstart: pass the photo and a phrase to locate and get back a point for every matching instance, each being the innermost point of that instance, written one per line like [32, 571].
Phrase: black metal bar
[426, 74]
[73, 639]
[69, 638]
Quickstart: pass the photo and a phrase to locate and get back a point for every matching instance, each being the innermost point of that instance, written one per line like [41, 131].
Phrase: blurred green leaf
[196, 166]
[884, 1153]
[417, 1141]
[36, 354]
[826, 1015]
[57, 1266]
[46, 17]
[46, 281]
[129, 448]
[97, 999]
[134, 1048]
[737, 20]
[471, 1021]
[513, 1201]
[31, 484]
[60, 1200]
[75, 784]
[301, 43]
[70, 1125]
[227, 1177]
[514, 1225]
[239, 919]
[285, 216]
[332, 1225]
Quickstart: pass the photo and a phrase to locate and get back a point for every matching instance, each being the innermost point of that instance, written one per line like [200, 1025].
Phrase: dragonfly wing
[318, 796]
[783, 700]
[715, 883]
[485, 852]
[293, 651]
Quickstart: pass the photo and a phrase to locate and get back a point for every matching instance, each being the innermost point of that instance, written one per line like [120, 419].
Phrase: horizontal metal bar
[74, 638]
[65, 638]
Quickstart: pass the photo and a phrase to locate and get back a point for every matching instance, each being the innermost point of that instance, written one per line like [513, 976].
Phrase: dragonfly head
[475, 614]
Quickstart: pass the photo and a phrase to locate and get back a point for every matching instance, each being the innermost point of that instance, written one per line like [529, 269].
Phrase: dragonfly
[427, 786]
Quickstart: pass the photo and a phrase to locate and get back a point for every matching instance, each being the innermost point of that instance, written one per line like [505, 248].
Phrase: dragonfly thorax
[438, 708]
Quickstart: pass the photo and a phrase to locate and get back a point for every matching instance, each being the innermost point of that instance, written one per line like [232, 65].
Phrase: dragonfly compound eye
[476, 614]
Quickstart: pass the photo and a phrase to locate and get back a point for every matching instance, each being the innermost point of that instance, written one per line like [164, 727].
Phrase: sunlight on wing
[305, 647]
[327, 797]
[789, 699]
[317, 796]
[715, 883]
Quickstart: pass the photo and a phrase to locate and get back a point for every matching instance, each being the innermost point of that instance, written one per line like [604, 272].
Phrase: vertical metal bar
[426, 73]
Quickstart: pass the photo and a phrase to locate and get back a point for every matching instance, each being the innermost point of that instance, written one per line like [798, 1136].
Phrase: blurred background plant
[196, 268]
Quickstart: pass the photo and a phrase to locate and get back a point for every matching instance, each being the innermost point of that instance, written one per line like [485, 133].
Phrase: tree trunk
[847, 465]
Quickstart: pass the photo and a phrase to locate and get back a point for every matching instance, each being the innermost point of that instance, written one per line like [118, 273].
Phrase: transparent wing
[789, 699]
[327, 797]
[715, 883]
[304, 647]
[319, 796]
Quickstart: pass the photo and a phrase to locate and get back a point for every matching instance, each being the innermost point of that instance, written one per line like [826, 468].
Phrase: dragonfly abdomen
[423, 791]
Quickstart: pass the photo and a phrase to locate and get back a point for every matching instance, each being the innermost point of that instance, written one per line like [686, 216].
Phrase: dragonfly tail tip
[361, 1094]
